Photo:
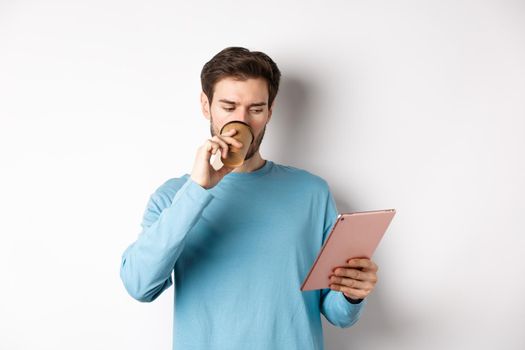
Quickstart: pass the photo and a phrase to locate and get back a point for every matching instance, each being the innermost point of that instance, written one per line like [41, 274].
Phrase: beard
[254, 147]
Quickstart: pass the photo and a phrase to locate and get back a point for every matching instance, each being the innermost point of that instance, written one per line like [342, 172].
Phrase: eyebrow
[251, 105]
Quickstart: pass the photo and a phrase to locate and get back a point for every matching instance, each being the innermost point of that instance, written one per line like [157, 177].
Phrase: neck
[252, 164]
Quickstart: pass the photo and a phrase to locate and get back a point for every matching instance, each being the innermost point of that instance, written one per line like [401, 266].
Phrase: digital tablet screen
[354, 235]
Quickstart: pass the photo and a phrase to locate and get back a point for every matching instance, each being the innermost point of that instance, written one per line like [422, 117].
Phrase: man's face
[238, 100]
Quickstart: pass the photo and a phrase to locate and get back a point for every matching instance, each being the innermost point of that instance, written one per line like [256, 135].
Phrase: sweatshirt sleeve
[147, 263]
[337, 309]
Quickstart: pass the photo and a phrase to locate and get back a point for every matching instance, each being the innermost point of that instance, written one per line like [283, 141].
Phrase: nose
[242, 114]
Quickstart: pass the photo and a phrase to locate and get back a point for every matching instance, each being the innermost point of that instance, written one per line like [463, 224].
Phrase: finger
[362, 263]
[208, 146]
[211, 146]
[215, 148]
[351, 292]
[356, 296]
[222, 144]
[232, 141]
[229, 132]
[352, 283]
[356, 274]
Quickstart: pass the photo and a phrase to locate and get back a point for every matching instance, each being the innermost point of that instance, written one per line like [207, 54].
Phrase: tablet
[354, 235]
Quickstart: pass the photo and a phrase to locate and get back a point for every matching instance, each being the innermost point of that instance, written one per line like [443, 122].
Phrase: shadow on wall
[378, 328]
[294, 137]
[293, 126]
[375, 322]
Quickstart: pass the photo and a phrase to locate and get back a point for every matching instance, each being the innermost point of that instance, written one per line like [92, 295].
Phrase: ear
[205, 105]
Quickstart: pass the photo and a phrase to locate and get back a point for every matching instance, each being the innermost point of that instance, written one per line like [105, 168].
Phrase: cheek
[257, 133]
[258, 127]
[220, 117]
[219, 113]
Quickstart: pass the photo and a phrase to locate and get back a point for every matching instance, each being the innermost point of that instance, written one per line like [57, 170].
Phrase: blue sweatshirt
[239, 253]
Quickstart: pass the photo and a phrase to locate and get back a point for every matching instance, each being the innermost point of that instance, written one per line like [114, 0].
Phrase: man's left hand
[356, 279]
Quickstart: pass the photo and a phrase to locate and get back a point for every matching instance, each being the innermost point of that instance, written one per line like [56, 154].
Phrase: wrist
[353, 301]
[198, 182]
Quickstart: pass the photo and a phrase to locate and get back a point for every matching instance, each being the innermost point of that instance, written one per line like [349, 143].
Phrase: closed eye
[231, 109]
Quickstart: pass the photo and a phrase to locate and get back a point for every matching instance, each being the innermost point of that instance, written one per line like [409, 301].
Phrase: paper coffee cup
[244, 134]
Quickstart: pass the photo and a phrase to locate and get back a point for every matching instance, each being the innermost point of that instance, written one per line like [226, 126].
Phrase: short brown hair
[240, 63]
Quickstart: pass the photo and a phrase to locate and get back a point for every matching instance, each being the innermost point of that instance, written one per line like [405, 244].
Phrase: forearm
[148, 262]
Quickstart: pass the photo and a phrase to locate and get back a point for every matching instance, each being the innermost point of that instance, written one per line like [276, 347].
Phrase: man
[241, 240]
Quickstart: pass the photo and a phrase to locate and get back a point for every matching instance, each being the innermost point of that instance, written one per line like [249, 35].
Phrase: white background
[413, 105]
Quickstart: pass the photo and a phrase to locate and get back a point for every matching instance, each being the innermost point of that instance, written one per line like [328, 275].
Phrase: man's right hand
[203, 172]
